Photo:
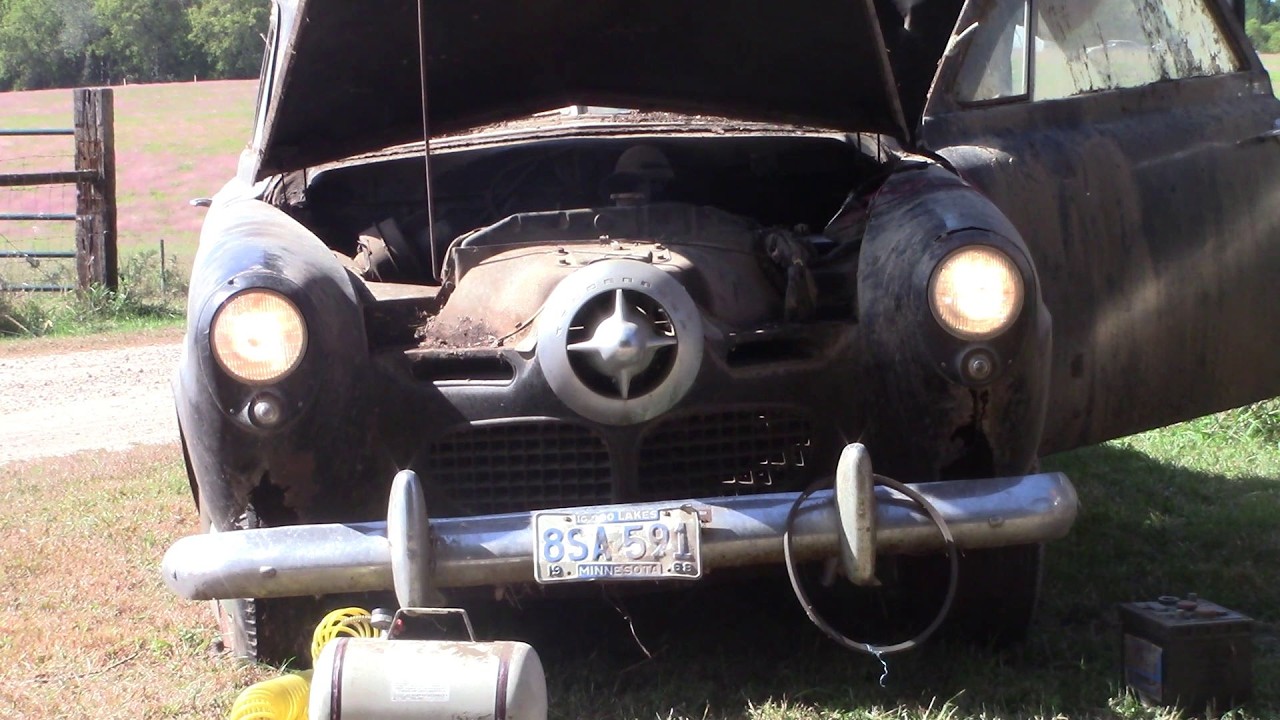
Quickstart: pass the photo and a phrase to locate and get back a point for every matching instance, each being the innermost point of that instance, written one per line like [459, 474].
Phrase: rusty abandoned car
[676, 279]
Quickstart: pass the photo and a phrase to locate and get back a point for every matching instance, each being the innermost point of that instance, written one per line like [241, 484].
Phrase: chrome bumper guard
[416, 556]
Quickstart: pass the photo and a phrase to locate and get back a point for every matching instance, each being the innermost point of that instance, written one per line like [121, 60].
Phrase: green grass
[98, 311]
[89, 629]
[1191, 508]
[1272, 63]
[148, 297]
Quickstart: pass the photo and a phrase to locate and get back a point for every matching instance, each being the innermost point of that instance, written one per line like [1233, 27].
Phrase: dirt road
[69, 396]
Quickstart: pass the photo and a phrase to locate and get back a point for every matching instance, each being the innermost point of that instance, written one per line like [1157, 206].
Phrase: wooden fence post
[96, 188]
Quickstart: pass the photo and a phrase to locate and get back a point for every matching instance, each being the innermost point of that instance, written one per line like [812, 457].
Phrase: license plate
[617, 543]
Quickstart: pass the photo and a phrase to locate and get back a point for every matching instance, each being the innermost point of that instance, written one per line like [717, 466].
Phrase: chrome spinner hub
[620, 341]
[623, 345]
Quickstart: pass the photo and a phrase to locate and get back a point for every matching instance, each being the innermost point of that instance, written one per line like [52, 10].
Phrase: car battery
[1187, 653]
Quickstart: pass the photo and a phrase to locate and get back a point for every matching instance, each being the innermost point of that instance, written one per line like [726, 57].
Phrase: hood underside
[346, 75]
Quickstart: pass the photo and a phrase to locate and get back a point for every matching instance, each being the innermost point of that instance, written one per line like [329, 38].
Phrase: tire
[274, 631]
[996, 598]
[997, 592]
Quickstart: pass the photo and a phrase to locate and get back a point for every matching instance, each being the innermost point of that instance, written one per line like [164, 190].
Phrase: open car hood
[344, 78]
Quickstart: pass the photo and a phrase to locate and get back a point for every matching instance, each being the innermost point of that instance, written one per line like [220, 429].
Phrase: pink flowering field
[174, 142]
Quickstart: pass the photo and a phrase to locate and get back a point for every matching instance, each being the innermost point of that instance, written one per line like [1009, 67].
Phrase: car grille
[522, 466]
[725, 453]
[526, 466]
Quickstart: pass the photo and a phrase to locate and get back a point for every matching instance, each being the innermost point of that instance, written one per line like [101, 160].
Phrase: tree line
[69, 43]
[1263, 25]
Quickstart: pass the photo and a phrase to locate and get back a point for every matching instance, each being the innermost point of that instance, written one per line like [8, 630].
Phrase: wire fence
[60, 177]
[37, 241]
[36, 150]
[22, 267]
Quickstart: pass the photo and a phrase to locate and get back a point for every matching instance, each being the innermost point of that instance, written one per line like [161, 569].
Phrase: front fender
[247, 475]
[926, 421]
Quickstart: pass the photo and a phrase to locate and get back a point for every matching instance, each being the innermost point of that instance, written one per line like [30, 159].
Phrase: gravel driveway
[58, 401]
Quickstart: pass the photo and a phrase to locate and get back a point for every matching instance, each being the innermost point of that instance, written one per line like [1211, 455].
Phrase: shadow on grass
[1146, 529]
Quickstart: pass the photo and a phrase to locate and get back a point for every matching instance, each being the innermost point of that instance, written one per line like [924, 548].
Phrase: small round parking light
[979, 366]
[265, 411]
[976, 292]
[258, 336]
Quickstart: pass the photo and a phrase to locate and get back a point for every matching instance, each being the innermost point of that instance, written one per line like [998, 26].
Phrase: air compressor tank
[380, 679]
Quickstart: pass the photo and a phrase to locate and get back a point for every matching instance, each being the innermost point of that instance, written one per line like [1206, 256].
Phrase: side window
[1090, 45]
[1083, 46]
[996, 65]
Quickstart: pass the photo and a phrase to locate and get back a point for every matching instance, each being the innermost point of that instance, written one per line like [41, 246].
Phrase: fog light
[976, 292]
[258, 336]
[265, 411]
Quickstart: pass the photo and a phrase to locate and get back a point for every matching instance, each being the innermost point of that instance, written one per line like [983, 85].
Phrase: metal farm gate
[94, 178]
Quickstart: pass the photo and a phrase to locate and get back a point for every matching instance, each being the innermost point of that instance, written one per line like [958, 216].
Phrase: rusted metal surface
[463, 333]
[930, 424]
[792, 268]
[502, 276]
[662, 55]
[1155, 235]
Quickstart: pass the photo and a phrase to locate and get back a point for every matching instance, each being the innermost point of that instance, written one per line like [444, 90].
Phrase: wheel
[274, 631]
[996, 597]
[997, 590]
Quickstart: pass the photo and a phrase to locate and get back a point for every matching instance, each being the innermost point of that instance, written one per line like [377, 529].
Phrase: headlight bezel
[1015, 271]
[296, 390]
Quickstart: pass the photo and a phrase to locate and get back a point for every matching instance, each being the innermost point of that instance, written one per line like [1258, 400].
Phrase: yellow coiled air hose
[282, 698]
[285, 697]
[352, 622]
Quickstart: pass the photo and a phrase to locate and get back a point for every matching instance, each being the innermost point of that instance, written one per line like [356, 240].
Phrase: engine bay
[760, 229]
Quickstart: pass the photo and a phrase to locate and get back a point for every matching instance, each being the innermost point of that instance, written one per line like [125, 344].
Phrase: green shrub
[1259, 421]
[147, 295]
[1264, 35]
[23, 314]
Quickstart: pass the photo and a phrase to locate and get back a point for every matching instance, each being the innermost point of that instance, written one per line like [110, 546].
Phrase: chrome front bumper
[416, 555]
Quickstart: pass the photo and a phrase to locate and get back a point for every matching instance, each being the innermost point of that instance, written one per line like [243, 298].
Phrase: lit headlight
[976, 292]
[258, 336]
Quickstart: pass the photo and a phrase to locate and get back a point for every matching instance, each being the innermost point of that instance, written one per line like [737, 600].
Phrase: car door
[1133, 143]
